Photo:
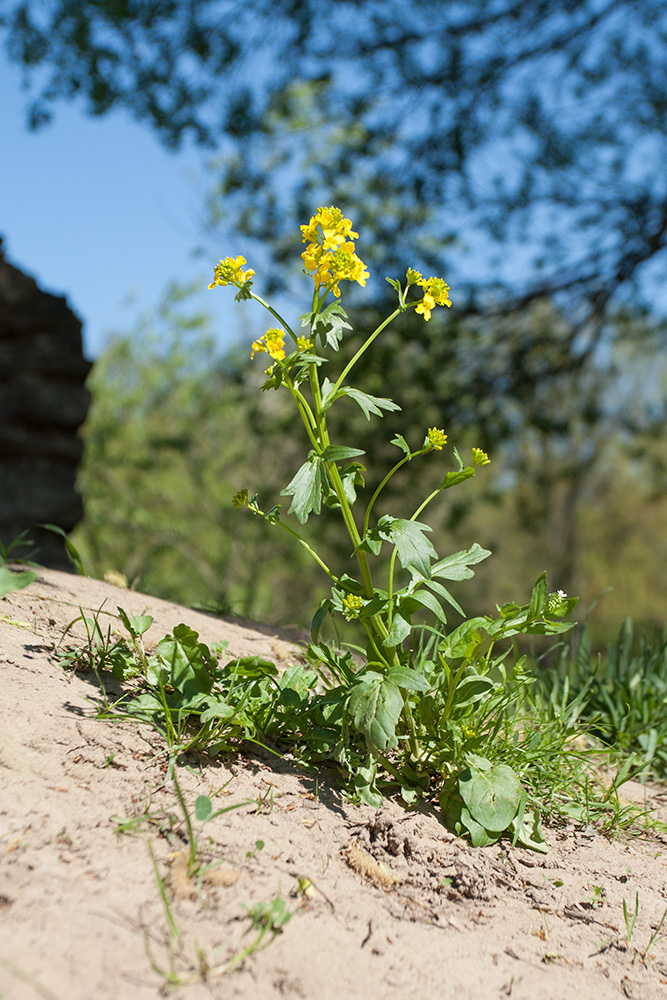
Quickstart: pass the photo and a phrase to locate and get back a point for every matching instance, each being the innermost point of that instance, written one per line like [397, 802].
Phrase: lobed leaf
[376, 704]
[306, 488]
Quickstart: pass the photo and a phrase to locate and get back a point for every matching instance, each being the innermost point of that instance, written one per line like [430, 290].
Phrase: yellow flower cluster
[304, 344]
[436, 293]
[435, 439]
[230, 272]
[272, 343]
[479, 457]
[352, 605]
[329, 255]
[240, 499]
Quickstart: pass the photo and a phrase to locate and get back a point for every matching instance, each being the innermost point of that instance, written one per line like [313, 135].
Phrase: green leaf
[329, 324]
[370, 404]
[454, 478]
[244, 291]
[372, 541]
[529, 833]
[318, 618]
[444, 593]
[328, 394]
[72, 550]
[400, 630]
[472, 689]
[457, 566]
[137, 624]
[9, 581]
[217, 710]
[338, 453]
[186, 659]
[363, 782]
[307, 488]
[463, 641]
[538, 598]
[253, 666]
[479, 836]
[408, 536]
[203, 807]
[376, 705]
[351, 477]
[409, 680]
[429, 601]
[401, 443]
[491, 792]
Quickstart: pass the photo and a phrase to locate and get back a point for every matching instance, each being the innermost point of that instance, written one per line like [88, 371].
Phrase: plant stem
[427, 501]
[382, 485]
[192, 854]
[364, 347]
[412, 730]
[277, 315]
[311, 551]
[337, 483]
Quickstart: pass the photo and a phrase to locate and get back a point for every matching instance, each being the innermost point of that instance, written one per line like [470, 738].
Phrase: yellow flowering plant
[414, 707]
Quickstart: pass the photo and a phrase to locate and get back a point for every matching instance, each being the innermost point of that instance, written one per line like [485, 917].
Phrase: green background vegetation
[576, 484]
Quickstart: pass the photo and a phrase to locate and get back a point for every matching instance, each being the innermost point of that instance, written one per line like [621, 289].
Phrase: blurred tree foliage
[537, 127]
[516, 147]
[576, 485]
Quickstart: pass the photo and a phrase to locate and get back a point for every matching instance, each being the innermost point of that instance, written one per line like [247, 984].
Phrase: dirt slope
[384, 904]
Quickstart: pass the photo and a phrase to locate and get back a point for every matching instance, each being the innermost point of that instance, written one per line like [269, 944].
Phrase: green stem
[320, 562]
[301, 399]
[427, 501]
[277, 315]
[390, 586]
[381, 659]
[380, 757]
[371, 502]
[337, 483]
[192, 842]
[346, 511]
[412, 738]
[312, 552]
[306, 414]
[452, 690]
[350, 365]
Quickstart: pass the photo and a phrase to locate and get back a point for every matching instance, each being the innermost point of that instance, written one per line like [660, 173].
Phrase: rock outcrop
[43, 402]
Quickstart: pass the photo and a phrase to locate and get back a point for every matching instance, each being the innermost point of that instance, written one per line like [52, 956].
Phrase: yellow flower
[352, 605]
[328, 228]
[479, 457]
[303, 344]
[240, 499]
[412, 277]
[272, 343]
[436, 293]
[329, 255]
[230, 272]
[435, 439]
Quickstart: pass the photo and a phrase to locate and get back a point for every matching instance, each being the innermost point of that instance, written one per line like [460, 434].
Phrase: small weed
[597, 897]
[70, 547]
[101, 651]
[630, 920]
[11, 580]
[259, 847]
[655, 935]
[265, 918]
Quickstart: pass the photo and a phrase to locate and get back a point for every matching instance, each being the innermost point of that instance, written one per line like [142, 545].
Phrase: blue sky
[97, 210]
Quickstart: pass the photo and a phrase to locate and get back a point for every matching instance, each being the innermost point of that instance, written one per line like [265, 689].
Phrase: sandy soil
[384, 904]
